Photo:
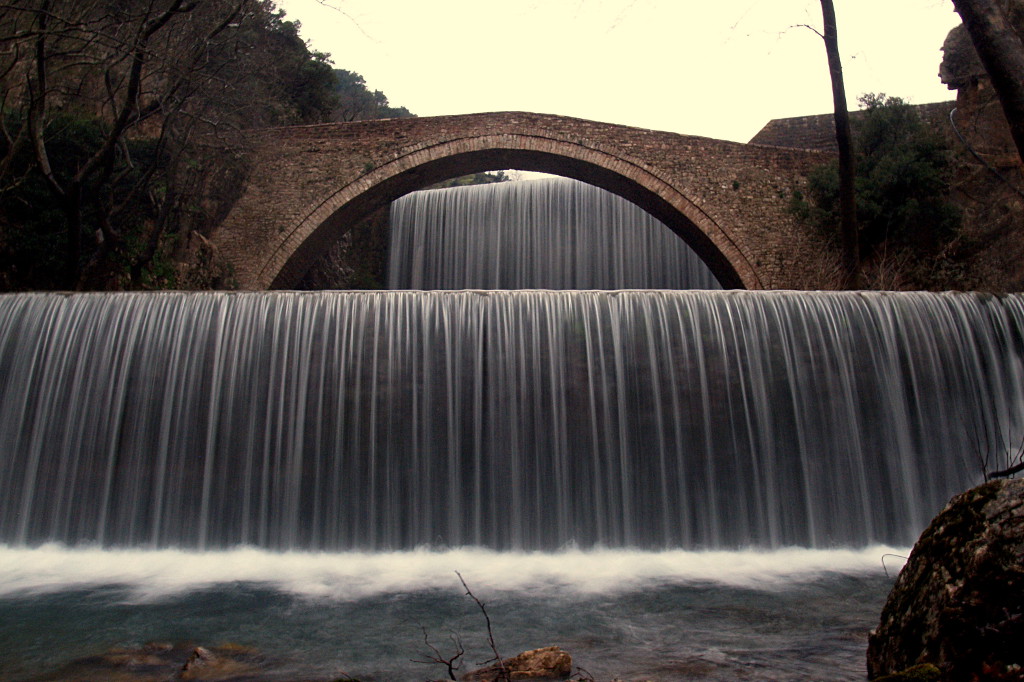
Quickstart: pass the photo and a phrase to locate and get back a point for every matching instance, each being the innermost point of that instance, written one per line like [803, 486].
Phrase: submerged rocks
[548, 663]
[219, 663]
[163, 661]
[959, 602]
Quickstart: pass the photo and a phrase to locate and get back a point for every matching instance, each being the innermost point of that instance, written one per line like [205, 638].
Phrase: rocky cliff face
[961, 66]
[989, 178]
[959, 601]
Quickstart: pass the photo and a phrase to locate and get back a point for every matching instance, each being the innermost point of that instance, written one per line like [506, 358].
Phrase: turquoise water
[788, 614]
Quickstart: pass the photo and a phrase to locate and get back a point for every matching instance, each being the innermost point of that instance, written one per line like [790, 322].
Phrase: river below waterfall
[792, 614]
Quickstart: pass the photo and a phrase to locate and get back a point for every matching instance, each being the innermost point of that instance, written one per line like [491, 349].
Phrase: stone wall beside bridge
[308, 184]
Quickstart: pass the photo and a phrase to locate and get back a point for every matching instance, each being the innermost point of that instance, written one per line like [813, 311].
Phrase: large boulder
[214, 664]
[961, 67]
[548, 663]
[958, 604]
[163, 661]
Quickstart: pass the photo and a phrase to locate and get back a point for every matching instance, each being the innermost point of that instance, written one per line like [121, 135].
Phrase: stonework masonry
[728, 200]
[819, 131]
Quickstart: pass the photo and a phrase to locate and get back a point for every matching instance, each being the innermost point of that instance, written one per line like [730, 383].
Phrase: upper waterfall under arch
[553, 233]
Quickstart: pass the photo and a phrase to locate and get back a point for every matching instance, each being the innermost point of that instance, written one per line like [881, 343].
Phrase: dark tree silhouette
[1001, 49]
[844, 141]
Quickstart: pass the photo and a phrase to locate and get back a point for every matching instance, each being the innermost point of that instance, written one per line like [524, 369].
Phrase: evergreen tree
[902, 185]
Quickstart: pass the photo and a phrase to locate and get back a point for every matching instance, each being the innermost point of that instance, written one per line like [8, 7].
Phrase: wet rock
[958, 604]
[222, 663]
[151, 655]
[162, 661]
[198, 662]
[925, 672]
[548, 663]
[960, 65]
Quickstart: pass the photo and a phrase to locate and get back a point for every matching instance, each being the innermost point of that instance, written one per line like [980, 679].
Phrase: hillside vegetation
[117, 117]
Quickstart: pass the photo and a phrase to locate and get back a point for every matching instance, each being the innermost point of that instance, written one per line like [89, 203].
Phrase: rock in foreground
[549, 663]
[164, 661]
[959, 602]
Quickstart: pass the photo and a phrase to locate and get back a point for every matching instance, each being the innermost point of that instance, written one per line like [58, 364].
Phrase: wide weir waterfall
[669, 484]
[509, 420]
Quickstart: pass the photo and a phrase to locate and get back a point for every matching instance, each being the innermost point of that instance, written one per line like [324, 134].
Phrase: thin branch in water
[982, 444]
[452, 662]
[583, 675]
[346, 676]
[503, 671]
[1016, 468]
[886, 568]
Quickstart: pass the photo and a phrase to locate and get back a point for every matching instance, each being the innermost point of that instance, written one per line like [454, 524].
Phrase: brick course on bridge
[729, 201]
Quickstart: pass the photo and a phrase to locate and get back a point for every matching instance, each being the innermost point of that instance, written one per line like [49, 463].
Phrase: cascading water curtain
[527, 420]
[540, 234]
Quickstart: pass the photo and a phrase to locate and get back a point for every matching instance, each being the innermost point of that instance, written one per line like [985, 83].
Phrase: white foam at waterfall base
[154, 574]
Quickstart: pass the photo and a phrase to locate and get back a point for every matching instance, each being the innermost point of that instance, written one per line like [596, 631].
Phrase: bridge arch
[463, 156]
[309, 184]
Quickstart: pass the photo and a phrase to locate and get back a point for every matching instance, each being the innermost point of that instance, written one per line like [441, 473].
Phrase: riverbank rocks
[162, 662]
[548, 663]
[958, 604]
[222, 663]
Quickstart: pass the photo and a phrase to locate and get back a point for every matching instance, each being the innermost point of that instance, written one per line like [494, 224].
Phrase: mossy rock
[925, 672]
[958, 604]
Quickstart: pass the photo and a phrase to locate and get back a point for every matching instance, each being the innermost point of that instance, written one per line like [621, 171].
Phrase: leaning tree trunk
[1001, 51]
[844, 140]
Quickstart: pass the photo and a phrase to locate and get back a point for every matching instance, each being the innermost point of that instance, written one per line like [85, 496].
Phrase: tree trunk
[1002, 53]
[844, 140]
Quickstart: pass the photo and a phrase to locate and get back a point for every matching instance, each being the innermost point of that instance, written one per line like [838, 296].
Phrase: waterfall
[541, 234]
[524, 420]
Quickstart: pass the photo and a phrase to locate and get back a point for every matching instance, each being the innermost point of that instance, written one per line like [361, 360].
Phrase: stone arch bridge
[729, 201]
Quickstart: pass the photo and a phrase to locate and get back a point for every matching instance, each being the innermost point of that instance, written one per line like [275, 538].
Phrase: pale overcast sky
[719, 69]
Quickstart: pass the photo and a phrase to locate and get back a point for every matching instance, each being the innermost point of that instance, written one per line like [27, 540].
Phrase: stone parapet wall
[308, 184]
[819, 131]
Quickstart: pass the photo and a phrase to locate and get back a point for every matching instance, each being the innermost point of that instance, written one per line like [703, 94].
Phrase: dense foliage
[903, 174]
[116, 148]
[355, 101]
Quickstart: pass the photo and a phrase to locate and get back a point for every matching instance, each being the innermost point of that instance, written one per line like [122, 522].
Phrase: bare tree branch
[503, 673]
[810, 28]
[452, 663]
